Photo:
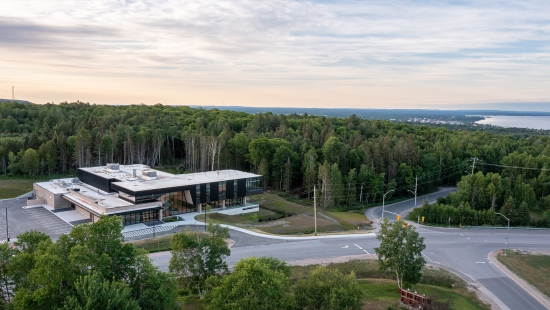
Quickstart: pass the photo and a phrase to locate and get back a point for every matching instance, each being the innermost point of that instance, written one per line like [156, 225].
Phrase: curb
[539, 296]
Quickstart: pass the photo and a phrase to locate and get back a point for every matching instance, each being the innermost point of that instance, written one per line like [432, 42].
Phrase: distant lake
[533, 122]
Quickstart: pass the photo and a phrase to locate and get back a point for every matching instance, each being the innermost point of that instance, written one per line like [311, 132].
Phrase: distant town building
[140, 194]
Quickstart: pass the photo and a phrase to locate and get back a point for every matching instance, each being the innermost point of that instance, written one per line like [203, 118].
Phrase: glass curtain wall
[176, 203]
[139, 217]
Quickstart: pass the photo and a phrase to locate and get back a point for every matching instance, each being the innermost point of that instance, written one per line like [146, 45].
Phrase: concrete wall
[35, 202]
[53, 200]
[82, 211]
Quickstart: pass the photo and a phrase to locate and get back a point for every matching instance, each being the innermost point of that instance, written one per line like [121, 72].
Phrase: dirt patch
[302, 224]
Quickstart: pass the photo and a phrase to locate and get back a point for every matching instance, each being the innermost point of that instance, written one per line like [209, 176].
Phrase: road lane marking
[390, 212]
[480, 262]
[468, 238]
[462, 235]
[366, 251]
[345, 247]
[427, 257]
[360, 248]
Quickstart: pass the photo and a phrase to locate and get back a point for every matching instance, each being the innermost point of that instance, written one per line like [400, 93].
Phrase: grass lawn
[13, 187]
[532, 268]
[350, 219]
[380, 289]
[301, 224]
[280, 205]
[152, 245]
[380, 293]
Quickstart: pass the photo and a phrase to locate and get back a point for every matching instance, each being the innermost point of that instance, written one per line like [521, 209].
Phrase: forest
[352, 161]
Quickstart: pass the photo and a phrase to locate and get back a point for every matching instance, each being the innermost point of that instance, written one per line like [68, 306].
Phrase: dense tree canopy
[293, 152]
[89, 268]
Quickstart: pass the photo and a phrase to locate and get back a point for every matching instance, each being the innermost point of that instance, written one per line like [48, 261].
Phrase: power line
[513, 167]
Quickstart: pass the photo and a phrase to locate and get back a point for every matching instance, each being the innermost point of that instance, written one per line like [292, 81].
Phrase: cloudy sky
[364, 53]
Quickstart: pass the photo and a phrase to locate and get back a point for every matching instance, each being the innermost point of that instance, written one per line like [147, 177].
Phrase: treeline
[350, 160]
[521, 192]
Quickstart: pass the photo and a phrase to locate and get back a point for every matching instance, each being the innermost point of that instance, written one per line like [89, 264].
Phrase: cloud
[455, 50]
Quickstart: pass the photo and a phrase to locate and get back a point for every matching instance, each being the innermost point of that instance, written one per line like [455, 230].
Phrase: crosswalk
[146, 231]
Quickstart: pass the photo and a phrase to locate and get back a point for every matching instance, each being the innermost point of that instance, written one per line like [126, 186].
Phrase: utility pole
[507, 230]
[13, 93]
[315, 209]
[415, 190]
[383, 202]
[7, 230]
[474, 165]
[361, 198]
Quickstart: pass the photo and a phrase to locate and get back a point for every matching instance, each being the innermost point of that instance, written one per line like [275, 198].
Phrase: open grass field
[302, 224]
[280, 205]
[532, 268]
[289, 218]
[350, 219]
[13, 187]
[154, 244]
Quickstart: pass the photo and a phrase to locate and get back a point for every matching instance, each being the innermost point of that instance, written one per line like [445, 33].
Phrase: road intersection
[462, 251]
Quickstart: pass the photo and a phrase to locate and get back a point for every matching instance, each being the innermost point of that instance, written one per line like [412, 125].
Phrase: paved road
[464, 251]
[392, 210]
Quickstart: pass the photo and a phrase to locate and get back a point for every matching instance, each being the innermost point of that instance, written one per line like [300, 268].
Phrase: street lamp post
[507, 230]
[414, 193]
[383, 202]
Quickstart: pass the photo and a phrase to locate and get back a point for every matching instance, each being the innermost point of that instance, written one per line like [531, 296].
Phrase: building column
[244, 200]
[160, 215]
[223, 204]
[199, 207]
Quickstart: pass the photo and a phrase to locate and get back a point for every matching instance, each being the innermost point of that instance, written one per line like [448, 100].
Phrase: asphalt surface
[20, 220]
[463, 251]
[404, 206]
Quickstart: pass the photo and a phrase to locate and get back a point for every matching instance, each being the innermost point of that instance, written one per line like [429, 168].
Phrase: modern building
[140, 194]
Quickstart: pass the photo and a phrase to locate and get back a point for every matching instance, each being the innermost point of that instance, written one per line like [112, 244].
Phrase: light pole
[383, 202]
[469, 173]
[415, 191]
[507, 229]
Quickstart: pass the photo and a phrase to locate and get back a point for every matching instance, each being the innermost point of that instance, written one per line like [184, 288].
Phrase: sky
[330, 54]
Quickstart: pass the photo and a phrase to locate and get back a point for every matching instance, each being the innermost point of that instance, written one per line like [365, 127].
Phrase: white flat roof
[185, 179]
[124, 172]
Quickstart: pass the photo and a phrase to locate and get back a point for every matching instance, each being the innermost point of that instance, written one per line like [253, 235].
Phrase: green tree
[400, 252]
[254, 284]
[523, 217]
[47, 152]
[310, 170]
[30, 162]
[509, 210]
[6, 282]
[328, 289]
[93, 292]
[197, 256]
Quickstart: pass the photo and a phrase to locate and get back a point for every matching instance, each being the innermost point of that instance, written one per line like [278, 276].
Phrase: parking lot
[35, 218]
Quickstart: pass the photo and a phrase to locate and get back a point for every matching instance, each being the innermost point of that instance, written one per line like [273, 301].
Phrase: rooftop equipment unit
[114, 167]
[149, 173]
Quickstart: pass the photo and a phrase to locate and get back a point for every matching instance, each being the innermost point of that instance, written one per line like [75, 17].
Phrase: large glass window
[234, 188]
[139, 217]
[177, 203]
[254, 184]
[221, 188]
[198, 194]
